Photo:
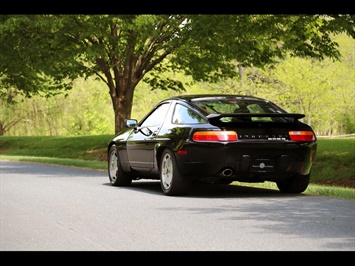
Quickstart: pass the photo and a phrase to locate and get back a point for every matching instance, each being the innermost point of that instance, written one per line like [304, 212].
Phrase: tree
[7, 106]
[46, 53]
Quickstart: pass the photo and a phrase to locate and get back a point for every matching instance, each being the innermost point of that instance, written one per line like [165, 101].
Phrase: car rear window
[242, 106]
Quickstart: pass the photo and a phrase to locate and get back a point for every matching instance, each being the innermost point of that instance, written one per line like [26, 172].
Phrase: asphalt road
[55, 208]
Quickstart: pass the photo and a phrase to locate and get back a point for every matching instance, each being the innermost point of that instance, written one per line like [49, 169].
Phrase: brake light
[302, 135]
[215, 136]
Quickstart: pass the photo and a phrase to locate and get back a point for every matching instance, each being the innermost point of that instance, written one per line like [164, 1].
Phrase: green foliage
[28, 57]
[87, 110]
[320, 89]
[50, 51]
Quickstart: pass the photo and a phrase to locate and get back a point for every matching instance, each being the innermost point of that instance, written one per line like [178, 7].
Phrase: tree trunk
[2, 129]
[122, 106]
[121, 88]
[241, 73]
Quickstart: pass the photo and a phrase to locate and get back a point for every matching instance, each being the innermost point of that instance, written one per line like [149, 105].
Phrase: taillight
[215, 136]
[302, 135]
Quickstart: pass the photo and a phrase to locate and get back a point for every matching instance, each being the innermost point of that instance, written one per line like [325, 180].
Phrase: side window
[157, 117]
[184, 115]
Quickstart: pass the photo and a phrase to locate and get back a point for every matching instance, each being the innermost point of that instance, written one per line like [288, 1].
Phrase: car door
[141, 143]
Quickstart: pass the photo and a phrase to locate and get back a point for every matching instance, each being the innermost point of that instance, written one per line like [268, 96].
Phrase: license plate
[263, 165]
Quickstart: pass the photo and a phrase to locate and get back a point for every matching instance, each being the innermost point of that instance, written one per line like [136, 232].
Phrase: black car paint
[250, 159]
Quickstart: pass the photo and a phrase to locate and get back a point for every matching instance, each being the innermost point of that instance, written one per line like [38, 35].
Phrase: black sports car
[215, 139]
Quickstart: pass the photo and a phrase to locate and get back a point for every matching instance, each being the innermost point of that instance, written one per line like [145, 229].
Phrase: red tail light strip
[215, 136]
[302, 135]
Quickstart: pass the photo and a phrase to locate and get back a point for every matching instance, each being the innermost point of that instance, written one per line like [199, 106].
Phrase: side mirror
[131, 123]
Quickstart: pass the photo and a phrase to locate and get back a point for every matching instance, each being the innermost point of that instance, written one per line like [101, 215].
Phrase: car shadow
[200, 190]
[233, 191]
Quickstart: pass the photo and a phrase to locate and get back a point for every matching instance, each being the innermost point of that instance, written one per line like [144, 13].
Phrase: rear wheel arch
[158, 155]
[172, 181]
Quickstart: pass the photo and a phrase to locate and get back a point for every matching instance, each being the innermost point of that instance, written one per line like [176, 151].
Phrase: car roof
[193, 97]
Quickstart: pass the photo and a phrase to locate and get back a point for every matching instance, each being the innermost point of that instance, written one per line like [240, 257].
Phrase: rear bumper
[247, 161]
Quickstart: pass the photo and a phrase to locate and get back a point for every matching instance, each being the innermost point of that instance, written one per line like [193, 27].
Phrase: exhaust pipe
[227, 172]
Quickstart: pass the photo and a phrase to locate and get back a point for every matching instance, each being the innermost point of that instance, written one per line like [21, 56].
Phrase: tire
[172, 182]
[115, 173]
[296, 184]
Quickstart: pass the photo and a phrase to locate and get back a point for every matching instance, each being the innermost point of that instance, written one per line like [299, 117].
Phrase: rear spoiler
[214, 119]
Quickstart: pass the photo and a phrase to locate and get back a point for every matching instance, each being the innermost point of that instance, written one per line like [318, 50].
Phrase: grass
[73, 147]
[335, 161]
[333, 172]
[89, 164]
